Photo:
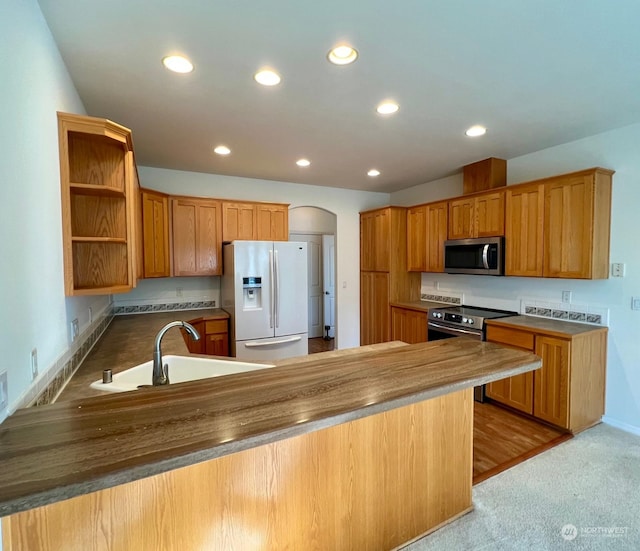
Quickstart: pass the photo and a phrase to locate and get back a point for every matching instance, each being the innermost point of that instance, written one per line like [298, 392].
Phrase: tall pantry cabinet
[383, 271]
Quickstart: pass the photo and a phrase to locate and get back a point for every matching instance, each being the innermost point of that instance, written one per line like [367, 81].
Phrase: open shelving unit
[98, 185]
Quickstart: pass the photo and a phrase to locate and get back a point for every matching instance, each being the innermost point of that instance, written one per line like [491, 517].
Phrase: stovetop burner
[467, 316]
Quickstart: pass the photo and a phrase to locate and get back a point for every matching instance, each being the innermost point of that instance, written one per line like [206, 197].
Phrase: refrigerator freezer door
[252, 284]
[290, 284]
[276, 348]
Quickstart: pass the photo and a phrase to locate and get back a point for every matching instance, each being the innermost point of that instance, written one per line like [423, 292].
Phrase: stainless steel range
[463, 321]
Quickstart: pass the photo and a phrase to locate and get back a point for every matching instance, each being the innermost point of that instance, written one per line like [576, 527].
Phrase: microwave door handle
[485, 259]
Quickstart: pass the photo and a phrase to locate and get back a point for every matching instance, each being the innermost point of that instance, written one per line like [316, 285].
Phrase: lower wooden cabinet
[408, 325]
[214, 337]
[568, 390]
[374, 308]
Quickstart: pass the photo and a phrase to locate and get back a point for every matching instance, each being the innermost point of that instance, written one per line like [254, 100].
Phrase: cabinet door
[551, 389]
[217, 344]
[374, 308]
[375, 232]
[272, 222]
[437, 215]
[155, 234]
[524, 231]
[408, 326]
[197, 237]
[461, 215]
[489, 215]
[516, 391]
[239, 221]
[417, 239]
[568, 225]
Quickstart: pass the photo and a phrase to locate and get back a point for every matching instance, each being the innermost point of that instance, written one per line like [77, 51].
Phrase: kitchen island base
[374, 483]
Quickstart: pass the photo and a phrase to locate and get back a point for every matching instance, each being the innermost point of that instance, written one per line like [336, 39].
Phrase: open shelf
[100, 264]
[96, 160]
[92, 189]
[99, 240]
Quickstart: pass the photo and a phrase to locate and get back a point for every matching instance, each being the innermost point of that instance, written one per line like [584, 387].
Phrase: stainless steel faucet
[160, 371]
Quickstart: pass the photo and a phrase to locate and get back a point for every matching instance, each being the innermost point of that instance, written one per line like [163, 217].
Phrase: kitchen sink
[181, 369]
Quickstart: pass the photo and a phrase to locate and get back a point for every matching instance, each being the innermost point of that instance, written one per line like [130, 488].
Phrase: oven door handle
[485, 256]
[452, 330]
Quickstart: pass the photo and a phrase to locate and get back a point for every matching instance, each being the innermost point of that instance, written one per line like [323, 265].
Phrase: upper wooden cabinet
[155, 233]
[259, 221]
[272, 222]
[480, 215]
[197, 236]
[426, 234]
[577, 219]
[375, 237]
[483, 175]
[559, 227]
[524, 230]
[99, 197]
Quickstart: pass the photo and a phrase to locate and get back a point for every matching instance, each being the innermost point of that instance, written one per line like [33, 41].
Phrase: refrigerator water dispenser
[251, 293]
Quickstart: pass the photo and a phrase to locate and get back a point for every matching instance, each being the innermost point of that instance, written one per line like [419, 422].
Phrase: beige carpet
[581, 495]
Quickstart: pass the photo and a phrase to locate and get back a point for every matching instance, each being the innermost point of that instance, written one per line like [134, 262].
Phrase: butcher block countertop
[546, 326]
[68, 448]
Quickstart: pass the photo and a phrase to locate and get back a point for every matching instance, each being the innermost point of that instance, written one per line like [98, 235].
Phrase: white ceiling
[537, 73]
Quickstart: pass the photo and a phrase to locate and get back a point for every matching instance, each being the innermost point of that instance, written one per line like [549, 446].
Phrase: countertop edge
[131, 474]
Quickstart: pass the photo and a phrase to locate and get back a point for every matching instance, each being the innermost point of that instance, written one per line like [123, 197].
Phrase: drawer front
[512, 337]
[215, 326]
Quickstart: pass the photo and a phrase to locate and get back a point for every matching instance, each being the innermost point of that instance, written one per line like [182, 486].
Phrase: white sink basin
[181, 369]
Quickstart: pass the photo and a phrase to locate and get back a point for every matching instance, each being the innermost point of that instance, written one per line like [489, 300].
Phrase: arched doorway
[318, 227]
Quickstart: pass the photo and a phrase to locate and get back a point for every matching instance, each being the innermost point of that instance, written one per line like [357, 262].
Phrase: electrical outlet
[178, 291]
[617, 269]
[4, 391]
[566, 296]
[635, 303]
[75, 329]
[34, 364]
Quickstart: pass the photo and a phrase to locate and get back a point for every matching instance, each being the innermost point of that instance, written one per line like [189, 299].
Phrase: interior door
[314, 278]
[329, 282]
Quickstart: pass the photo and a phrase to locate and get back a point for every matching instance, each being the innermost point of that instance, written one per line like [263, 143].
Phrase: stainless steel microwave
[481, 256]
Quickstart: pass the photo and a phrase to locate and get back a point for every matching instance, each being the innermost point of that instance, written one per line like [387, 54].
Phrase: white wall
[346, 204]
[617, 150]
[312, 220]
[35, 313]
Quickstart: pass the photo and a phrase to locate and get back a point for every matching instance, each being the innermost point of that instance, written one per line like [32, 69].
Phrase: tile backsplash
[440, 296]
[582, 313]
[163, 307]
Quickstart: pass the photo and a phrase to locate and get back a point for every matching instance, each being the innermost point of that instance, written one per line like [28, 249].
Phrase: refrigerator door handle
[256, 344]
[271, 293]
[276, 284]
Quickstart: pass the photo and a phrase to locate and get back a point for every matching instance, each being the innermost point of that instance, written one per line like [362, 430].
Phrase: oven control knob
[465, 320]
[437, 314]
[470, 321]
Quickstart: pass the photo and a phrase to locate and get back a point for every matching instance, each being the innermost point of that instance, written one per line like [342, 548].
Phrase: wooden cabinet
[426, 234]
[259, 221]
[214, 337]
[408, 325]
[486, 174]
[155, 234]
[559, 226]
[524, 230]
[272, 222]
[197, 236]
[480, 215]
[383, 271]
[99, 216]
[568, 390]
[577, 217]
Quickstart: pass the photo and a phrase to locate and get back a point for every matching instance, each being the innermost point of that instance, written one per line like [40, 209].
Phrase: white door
[290, 286]
[314, 278]
[329, 282]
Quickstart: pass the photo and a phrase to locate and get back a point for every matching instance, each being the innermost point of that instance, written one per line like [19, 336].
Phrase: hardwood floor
[502, 439]
[320, 345]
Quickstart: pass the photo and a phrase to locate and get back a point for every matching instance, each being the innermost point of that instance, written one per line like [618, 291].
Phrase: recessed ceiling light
[387, 108]
[373, 172]
[222, 150]
[303, 162]
[267, 77]
[476, 131]
[177, 64]
[342, 55]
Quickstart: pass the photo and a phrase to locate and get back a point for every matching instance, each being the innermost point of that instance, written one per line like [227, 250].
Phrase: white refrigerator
[264, 290]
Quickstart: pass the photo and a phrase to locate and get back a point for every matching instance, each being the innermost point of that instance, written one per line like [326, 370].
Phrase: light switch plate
[635, 303]
[617, 269]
